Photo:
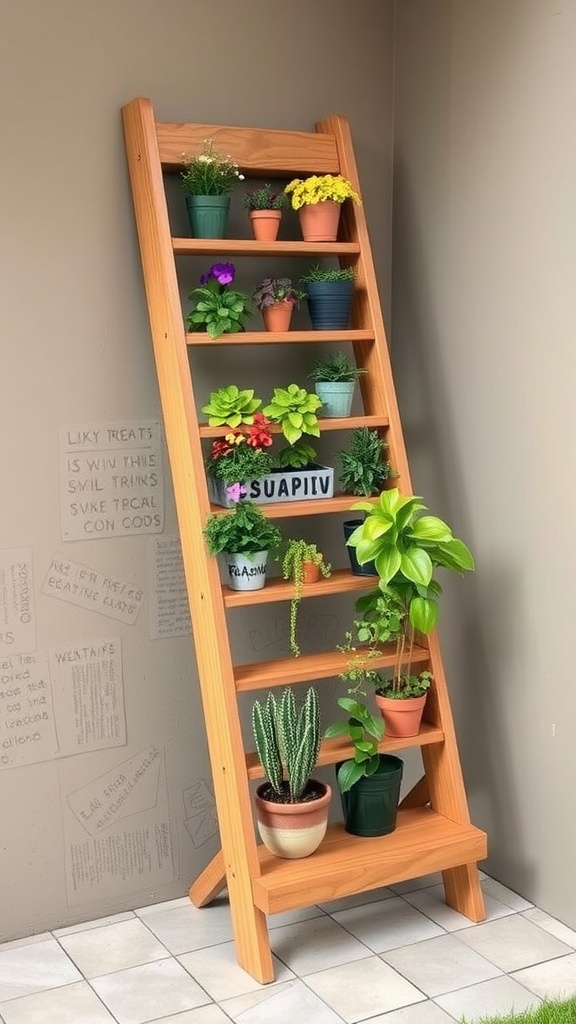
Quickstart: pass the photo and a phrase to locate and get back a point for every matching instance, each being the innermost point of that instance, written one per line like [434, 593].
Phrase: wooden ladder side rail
[377, 385]
[203, 583]
[443, 774]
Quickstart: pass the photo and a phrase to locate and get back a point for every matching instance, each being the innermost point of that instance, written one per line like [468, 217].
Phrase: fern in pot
[364, 471]
[334, 382]
[292, 807]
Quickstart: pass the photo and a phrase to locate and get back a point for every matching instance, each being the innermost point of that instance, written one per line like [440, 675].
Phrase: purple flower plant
[223, 273]
[235, 492]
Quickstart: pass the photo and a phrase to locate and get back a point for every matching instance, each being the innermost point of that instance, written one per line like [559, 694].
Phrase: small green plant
[208, 173]
[218, 309]
[264, 198]
[551, 1011]
[364, 467]
[297, 554]
[243, 531]
[323, 274]
[231, 407]
[294, 409]
[296, 456]
[318, 188]
[364, 731]
[288, 742]
[335, 368]
[384, 620]
[242, 454]
[272, 290]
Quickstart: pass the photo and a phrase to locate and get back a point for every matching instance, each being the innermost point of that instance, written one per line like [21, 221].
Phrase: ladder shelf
[434, 832]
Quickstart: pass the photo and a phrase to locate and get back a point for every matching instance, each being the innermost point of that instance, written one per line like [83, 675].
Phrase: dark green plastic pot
[369, 569]
[371, 806]
[208, 215]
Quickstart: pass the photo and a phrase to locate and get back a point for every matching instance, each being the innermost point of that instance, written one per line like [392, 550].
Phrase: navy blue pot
[369, 569]
[329, 304]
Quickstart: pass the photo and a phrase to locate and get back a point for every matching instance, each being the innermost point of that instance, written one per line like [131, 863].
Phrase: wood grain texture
[283, 671]
[337, 423]
[252, 247]
[285, 338]
[340, 582]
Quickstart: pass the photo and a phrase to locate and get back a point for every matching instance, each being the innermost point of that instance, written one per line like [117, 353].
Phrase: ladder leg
[250, 932]
[209, 883]
[463, 891]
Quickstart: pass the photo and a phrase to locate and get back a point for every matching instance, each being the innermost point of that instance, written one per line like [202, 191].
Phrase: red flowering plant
[241, 455]
[218, 308]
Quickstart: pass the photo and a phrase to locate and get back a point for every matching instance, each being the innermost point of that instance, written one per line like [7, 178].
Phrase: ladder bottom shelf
[424, 841]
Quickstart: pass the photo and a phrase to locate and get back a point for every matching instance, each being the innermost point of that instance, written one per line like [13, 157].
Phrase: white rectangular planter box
[282, 485]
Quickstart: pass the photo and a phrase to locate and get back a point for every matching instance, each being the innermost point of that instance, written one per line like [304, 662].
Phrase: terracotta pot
[277, 317]
[293, 830]
[311, 572]
[265, 224]
[401, 717]
[319, 221]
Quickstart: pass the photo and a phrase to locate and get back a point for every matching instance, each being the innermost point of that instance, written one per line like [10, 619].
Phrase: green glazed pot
[208, 215]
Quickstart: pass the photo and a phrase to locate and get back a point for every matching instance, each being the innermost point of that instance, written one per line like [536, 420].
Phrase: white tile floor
[393, 956]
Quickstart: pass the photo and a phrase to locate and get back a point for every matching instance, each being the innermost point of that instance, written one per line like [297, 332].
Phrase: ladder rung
[251, 247]
[340, 582]
[267, 674]
[336, 423]
[280, 338]
[332, 751]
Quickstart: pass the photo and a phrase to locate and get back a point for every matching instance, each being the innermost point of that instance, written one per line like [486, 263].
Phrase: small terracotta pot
[311, 572]
[265, 224]
[293, 830]
[277, 317]
[319, 221]
[401, 717]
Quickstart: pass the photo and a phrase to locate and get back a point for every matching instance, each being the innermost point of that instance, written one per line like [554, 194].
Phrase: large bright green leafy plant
[295, 410]
[230, 406]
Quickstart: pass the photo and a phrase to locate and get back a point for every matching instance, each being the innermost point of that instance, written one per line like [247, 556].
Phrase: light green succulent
[231, 407]
[295, 410]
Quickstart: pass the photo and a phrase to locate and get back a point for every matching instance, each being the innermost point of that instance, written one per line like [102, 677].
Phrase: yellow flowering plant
[319, 188]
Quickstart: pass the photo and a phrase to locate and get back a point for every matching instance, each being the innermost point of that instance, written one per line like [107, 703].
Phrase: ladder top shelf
[262, 675]
[252, 247]
[257, 151]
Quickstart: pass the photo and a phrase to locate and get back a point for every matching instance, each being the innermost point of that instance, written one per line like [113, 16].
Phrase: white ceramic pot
[246, 572]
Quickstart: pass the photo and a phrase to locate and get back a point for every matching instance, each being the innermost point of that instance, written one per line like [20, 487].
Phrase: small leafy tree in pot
[287, 742]
[297, 554]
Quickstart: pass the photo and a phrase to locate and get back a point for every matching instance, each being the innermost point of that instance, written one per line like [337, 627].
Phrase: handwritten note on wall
[27, 723]
[117, 829]
[17, 617]
[168, 607]
[111, 482]
[88, 694]
[88, 588]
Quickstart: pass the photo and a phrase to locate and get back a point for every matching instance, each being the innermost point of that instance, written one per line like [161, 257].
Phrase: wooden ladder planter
[434, 832]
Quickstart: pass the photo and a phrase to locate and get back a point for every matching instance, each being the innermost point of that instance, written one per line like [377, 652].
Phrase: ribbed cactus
[287, 740]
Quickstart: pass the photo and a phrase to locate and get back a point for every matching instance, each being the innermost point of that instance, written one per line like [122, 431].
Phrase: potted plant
[298, 475]
[292, 808]
[245, 536]
[407, 548]
[329, 295]
[302, 563]
[218, 308]
[364, 472]
[334, 381]
[240, 458]
[369, 782]
[231, 407]
[276, 297]
[318, 200]
[265, 210]
[207, 181]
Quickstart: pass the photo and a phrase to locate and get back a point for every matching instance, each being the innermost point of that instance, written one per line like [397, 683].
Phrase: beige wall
[484, 258]
[75, 338]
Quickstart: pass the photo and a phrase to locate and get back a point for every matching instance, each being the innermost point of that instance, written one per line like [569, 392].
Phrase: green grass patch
[556, 1011]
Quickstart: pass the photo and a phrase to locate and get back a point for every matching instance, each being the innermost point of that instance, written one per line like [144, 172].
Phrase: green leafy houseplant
[384, 620]
[264, 198]
[296, 456]
[288, 743]
[218, 309]
[336, 368]
[297, 554]
[407, 548]
[318, 188]
[364, 467]
[295, 410]
[243, 531]
[272, 290]
[208, 173]
[242, 455]
[364, 731]
[231, 407]
[318, 274]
